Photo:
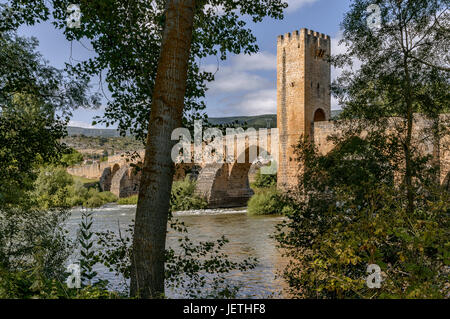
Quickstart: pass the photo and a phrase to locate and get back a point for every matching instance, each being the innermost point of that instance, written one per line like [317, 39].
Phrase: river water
[248, 236]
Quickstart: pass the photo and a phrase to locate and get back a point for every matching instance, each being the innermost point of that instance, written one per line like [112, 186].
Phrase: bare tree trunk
[147, 273]
[409, 119]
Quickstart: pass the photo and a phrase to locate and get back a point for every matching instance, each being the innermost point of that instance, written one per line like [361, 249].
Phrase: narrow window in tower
[318, 89]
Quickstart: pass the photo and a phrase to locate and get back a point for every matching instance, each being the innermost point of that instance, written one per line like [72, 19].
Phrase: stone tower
[303, 94]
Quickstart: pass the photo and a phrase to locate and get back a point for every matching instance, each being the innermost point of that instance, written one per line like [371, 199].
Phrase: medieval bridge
[303, 108]
[222, 173]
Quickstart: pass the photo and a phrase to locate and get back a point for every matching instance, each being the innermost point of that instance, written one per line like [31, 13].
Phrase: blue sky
[245, 85]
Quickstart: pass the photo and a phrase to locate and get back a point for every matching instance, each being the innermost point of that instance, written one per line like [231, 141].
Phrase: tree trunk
[147, 273]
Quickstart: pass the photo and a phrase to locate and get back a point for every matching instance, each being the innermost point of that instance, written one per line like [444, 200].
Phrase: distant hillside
[259, 121]
[92, 132]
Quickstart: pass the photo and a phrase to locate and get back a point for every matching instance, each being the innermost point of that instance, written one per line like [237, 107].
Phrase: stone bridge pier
[224, 185]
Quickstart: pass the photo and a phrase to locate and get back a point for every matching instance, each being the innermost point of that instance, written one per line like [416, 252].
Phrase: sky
[244, 85]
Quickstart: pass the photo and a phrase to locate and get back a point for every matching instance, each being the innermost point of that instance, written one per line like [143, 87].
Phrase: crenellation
[306, 37]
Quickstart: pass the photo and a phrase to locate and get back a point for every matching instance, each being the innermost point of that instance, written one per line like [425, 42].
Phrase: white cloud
[297, 4]
[239, 75]
[258, 61]
[258, 102]
[229, 80]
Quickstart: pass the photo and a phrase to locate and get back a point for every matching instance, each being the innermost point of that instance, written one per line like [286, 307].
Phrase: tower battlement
[302, 34]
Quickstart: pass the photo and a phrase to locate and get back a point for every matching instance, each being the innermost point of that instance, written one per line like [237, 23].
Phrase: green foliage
[403, 71]
[412, 250]
[51, 187]
[132, 200]
[268, 201]
[264, 180]
[374, 199]
[183, 196]
[54, 187]
[17, 285]
[33, 241]
[87, 260]
[72, 158]
[96, 199]
[33, 246]
[131, 65]
[29, 136]
[350, 214]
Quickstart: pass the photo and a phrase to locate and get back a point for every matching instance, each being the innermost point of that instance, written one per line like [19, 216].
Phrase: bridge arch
[227, 184]
[212, 184]
[125, 182]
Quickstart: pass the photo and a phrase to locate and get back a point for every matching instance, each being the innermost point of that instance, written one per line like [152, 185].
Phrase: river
[248, 236]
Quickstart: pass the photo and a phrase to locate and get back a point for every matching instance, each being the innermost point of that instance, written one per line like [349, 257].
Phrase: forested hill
[92, 132]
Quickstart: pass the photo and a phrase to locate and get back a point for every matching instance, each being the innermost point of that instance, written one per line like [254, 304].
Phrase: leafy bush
[54, 187]
[33, 249]
[183, 196]
[51, 187]
[72, 158]
[97, 199]
[268, 202]
[351, 214]
[264, 180]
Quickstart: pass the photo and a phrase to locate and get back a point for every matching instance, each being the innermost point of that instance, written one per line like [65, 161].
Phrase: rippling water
[248, 236]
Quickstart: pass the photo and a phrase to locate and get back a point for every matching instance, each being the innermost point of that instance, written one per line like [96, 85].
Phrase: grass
[83, 180]
[132, 200]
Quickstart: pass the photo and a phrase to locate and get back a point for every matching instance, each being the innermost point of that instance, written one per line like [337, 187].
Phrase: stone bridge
[222, 172]
[303, 109]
